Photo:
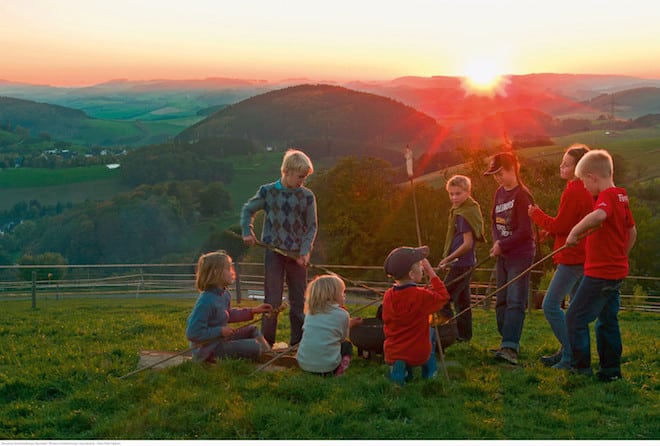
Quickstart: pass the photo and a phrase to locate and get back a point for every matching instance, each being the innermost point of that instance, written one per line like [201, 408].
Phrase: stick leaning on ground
[277, 356]
[200, 344]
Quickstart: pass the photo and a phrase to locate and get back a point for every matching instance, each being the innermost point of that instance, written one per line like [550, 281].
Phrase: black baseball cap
[500, 161]
[400, 260]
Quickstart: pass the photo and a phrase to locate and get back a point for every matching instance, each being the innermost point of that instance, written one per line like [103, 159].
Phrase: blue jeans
[595, 298]
[460, 296]
[510, 302]
[565, 281]
[278, 268]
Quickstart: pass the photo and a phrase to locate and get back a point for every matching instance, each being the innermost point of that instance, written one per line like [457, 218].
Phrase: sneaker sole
[501, 357]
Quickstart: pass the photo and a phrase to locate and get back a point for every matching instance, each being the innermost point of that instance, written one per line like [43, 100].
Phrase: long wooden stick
[526, 271]
[311, 265]
[442, 353]
[279, 355]
[150, 366]
[197, 345]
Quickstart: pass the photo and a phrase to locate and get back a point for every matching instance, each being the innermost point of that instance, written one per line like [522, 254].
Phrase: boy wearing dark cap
[514, 247]
[406, 310]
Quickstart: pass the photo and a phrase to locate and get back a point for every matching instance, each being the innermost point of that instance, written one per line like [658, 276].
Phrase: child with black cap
[409, 341]
[514, 247]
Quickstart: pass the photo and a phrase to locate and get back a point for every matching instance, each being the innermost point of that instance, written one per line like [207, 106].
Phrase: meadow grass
[67, 193]
[27, 177]
[639, 147]
[61, 365]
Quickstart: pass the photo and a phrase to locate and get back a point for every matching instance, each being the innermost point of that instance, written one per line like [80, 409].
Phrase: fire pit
[368, 337]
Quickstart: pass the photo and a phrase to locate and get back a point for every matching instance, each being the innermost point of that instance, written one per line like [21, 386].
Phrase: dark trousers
[278, 269]
[460, 297]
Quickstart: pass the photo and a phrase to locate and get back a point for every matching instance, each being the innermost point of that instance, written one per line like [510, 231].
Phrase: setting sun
[484, 77]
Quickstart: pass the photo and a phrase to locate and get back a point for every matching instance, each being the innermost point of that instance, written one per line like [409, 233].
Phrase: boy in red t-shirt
[409, 341]
[605, 267]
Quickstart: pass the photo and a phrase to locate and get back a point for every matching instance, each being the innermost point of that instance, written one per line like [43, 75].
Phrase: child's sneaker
[608, 377]
[507, 354]
[561, 365]
[343, 365]
[409, 373]
[551, 360]
[398, 372]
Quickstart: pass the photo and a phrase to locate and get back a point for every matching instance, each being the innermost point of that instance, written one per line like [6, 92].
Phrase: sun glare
[484, 77]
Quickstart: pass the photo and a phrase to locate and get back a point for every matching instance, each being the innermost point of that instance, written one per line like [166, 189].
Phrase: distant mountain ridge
[434, 95]
[556, 94]
[152, 111]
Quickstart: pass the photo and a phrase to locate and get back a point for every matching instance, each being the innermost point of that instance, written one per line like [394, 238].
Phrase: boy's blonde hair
[459, 181]
[209, 269]
[322, 292]
[598, 162]
[296, 161]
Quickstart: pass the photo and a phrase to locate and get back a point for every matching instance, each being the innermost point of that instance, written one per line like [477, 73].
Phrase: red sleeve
[439, 295]
[565, 219]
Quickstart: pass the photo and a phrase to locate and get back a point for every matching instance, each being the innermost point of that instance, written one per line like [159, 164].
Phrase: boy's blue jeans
[279, 268]
[510, 302]
[565, 281]
[596, 298]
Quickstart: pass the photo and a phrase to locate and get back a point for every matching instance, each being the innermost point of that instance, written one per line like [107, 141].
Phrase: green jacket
[470, 211]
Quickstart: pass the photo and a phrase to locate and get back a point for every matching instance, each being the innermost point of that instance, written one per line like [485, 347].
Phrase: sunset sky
[83, 42]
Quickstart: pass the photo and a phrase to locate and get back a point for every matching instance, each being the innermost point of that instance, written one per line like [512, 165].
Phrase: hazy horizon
[83, 43]
[257, 82]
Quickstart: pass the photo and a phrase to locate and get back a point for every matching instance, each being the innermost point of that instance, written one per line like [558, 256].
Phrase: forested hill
[631, 103]
[325, 120]
[38, 117]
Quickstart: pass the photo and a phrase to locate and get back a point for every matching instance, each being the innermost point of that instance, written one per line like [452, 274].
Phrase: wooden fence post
[34, 289]
[237, 269]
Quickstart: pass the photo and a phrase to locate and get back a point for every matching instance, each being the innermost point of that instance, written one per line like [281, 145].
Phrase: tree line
[364, 211]
[147, 224]
[173, 161]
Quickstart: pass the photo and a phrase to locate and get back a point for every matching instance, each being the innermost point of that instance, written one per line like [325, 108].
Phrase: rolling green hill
[324, 121]
[71, 125]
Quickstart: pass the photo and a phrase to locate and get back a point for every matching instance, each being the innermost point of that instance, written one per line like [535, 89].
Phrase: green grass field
[62, 361]
[35, 177]
[640, 148]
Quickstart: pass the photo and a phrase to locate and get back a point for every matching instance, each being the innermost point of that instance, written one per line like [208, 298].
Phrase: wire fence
[177, 280]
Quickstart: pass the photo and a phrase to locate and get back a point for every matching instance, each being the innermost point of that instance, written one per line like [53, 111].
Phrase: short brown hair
[577, 151]
[598, 162]
[209, 268]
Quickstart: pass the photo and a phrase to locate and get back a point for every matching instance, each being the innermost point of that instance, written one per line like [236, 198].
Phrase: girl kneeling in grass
[324, 348]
